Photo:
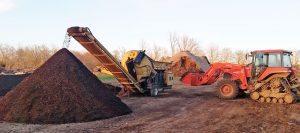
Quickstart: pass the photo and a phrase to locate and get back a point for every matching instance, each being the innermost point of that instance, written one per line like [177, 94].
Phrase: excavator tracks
[287, 99]
[276, 90]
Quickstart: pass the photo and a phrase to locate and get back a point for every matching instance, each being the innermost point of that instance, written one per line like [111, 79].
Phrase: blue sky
[238, 24]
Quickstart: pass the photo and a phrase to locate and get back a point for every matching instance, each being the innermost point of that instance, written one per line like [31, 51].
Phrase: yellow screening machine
[137, 72]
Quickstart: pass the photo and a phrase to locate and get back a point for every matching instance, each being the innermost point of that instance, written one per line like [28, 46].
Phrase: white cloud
[6, 5]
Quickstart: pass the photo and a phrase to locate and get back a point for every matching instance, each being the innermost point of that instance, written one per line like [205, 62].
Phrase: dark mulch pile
[62, 90]
[8, 82]
[114, 89]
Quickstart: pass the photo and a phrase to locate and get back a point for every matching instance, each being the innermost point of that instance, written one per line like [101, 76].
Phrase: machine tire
[254, 95]
[154, 92]
[227, 89]
[290, 98]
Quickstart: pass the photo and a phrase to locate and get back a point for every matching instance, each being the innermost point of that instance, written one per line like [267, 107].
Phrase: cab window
[260, 59]
[274, 60]
[286, 60]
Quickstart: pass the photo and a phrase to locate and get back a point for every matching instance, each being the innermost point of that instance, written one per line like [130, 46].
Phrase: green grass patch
[105, 77]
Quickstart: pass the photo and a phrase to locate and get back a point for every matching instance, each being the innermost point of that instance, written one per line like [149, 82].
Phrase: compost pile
[8, 82]
[185, 61]
[62, 90]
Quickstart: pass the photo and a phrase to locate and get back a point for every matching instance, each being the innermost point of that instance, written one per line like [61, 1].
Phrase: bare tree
[122, 51]
[198, 52]
[156, 52]
[188, 44]
[213, 53]
[164, 55]
[117, 54]
[226, 55]
[20, 58]
[7, 54]
[143, 45]
[25, 58]
[174, 41]
[296, 57]
[240, 57]
[40, 54]
[87, 59]
[184, 43]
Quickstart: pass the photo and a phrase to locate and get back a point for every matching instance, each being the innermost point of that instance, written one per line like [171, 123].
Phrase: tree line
[24, 58]
[31, 57]
[27, 59]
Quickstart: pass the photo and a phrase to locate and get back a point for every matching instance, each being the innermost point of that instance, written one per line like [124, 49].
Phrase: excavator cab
[275, 59]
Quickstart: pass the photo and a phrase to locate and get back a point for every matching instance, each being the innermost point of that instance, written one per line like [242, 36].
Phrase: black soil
[62, 90]
[8, 82]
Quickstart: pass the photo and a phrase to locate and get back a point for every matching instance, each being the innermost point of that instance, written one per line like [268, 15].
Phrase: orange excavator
[269, 78]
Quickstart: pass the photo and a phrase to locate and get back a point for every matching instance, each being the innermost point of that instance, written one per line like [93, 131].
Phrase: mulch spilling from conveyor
[62, 90]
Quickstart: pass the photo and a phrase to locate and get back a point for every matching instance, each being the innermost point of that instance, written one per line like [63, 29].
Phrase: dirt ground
[185, 109]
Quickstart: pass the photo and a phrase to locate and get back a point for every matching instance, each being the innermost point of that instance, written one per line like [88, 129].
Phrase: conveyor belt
[84, 36]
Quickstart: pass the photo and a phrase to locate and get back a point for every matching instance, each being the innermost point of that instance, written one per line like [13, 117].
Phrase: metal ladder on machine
[84, 36]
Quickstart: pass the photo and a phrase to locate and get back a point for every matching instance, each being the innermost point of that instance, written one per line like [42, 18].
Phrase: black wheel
[154, 92]
[227, 89]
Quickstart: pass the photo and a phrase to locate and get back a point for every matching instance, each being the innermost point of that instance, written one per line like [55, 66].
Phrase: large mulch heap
[8, 82]
[185, 61]
[62, 90]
